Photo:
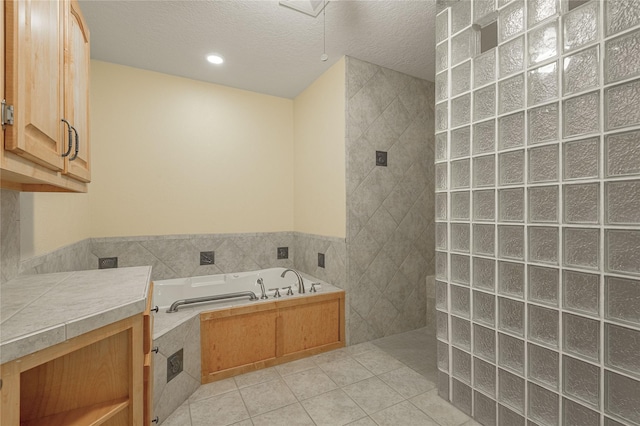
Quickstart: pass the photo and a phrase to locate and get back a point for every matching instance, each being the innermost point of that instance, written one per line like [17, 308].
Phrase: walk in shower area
[538, 211]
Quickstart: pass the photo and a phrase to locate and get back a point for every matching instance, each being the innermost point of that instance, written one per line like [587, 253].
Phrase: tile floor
[390, 381]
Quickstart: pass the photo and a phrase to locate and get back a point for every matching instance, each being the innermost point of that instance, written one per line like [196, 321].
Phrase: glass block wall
[538, 211]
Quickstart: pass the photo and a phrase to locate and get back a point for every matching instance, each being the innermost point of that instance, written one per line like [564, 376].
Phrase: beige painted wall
[319, 155]
[177, 156]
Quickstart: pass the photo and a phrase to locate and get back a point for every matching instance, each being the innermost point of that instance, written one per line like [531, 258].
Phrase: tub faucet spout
[264, 293]
[300, 281]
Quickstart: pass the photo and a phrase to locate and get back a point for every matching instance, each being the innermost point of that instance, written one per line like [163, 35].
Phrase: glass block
[484, 137]
[460, 205]
[462, 46]
[511, 94]
[461, 365]
[511, 21]
[443, 356]
[511, 316]
[442, 51]
[543, 84]
[460, 301]
[484, 171]
[581, 158]
[622, 202]
[543, 43]
[582, 114]
[442, 326]
[443, 385]
[511, 205]
[511, 390]
[511, 242]
[460, 16]
[543, 365]
[460, 269]
[484, 376]
[441, 295]
[582, 247]
[441, 146]
[441, 205]
[484, 68]
[620, 15]
[581, 292]
[484, 273]
[622, 299]
[484, 409]
[511, 57]
[543, 204]
[544, 164]
[461, 78]
[508, 417]
[621, 396]
[611, 422]
[484, 205]
[622, 154]
[622, 57]
[582, 70]
[511, 279]
[543, 244]
[459, 174]
[581, 380]
[461, 397]
[511, 167]
[442, 117]
[544, 325]
[543, 124]
[581, 203]
[484, 239]
[441, 236]
[460, 110]
[441, 176]
[543, 405]
[441, 265]
[484, 103]
[461, 333]
[622, 252]
[482, 9]
[574, 414]
[484, 308]
[511, 353]
[484, 343]
[581, 336]
[442, 26]
[622, 346]
[581, 26]
[511, 130]
[543, 285]
[539, 10]
[622, 105]
[460, 142]
[442, 86]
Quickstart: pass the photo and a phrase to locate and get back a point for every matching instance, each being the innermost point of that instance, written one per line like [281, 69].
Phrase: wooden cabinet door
[34, 76]
[310, 325]
[76, 96]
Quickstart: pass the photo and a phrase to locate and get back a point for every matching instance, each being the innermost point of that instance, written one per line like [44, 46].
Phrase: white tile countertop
[39, 311]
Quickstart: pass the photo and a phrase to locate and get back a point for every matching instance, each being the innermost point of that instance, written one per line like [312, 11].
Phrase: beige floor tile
[308, 383]
[255, 377]
[180, 417]
[333, 408]
[213, 389]
[296, 366]
[291, 415]
[267, 396]
[331, 356]
[246, 422]
[378, 362]
[345, 371]
[404, 414]
[439, 409]
[373, 395]
[407, 382]
[360, 348]
[365, 421]
[220, 410]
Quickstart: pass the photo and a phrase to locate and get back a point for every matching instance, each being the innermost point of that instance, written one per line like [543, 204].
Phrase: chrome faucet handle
[289, 291]
[277, 292]
[313, 288]
[264, 293]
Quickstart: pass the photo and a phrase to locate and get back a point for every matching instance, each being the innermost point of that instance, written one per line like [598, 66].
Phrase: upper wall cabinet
[46, 82]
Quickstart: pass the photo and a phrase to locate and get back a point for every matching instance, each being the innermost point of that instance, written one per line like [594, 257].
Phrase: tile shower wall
[537, 212]
[390, 227]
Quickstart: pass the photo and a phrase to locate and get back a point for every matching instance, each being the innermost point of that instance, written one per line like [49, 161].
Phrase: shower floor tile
[397, 371]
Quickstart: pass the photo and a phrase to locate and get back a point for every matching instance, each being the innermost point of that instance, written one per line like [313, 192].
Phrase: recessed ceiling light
[215, 59]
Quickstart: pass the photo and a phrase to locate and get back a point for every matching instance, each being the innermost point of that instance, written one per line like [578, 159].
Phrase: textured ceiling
[268, 48]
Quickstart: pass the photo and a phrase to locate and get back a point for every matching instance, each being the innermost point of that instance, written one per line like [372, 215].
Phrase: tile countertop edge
[30, 343]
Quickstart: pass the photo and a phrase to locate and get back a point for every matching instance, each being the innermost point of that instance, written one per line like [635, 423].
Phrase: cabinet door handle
[75, 154]
[69, 138]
